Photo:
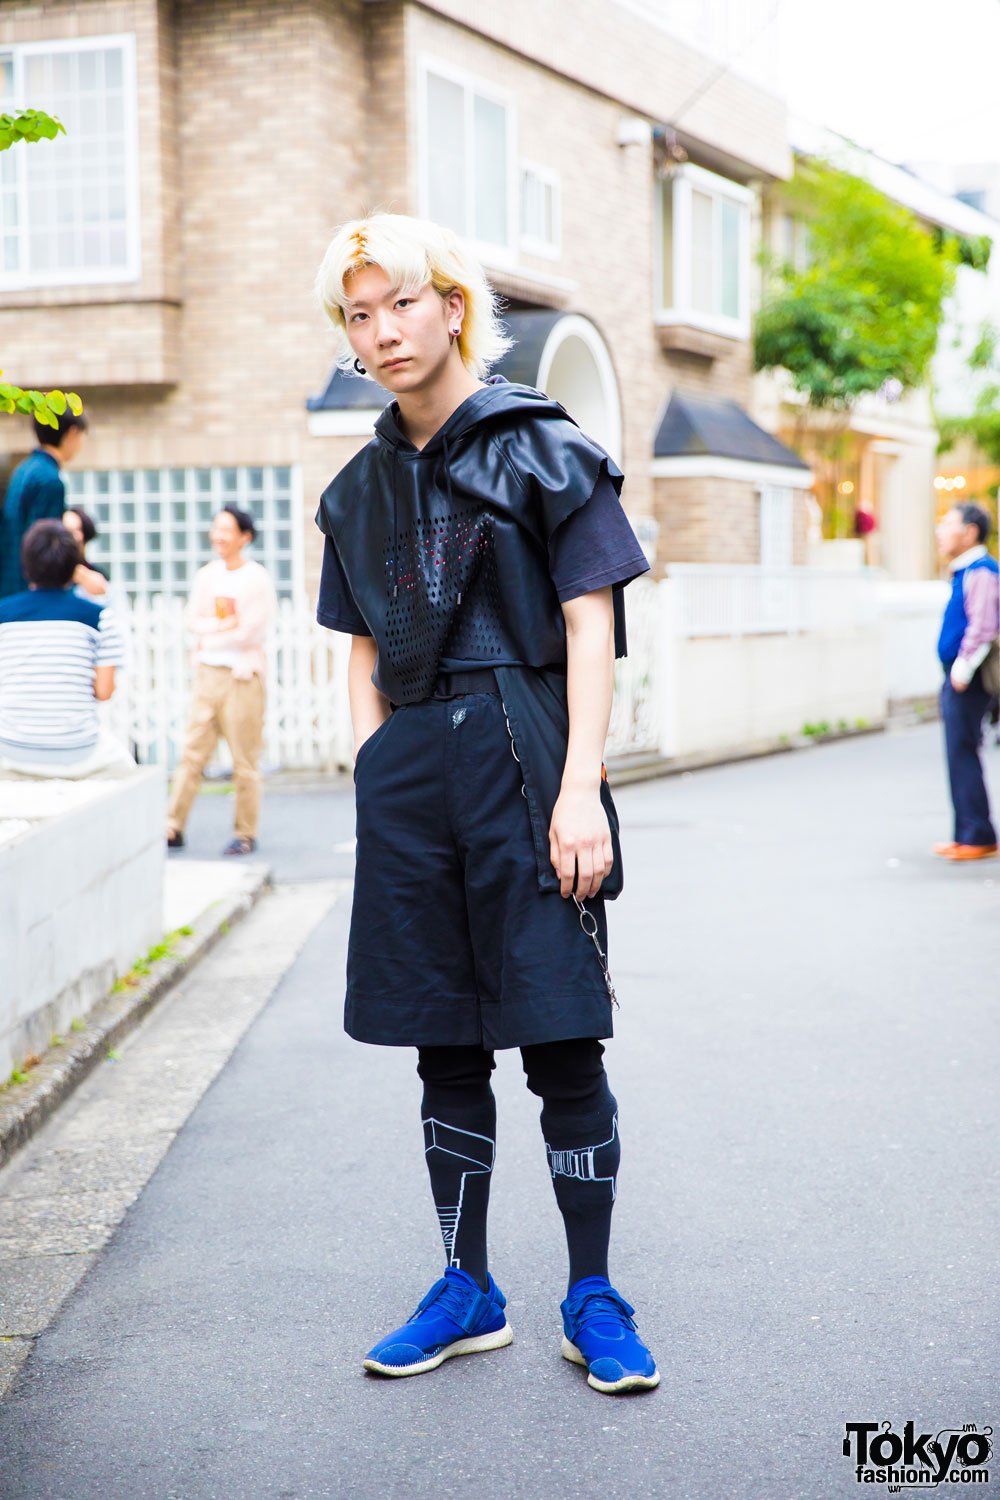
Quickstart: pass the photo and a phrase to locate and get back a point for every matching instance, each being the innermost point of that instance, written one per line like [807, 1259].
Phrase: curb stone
[25, 1107]
[650, 766]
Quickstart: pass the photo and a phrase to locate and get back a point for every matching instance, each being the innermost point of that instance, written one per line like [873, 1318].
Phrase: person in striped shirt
[58, 657]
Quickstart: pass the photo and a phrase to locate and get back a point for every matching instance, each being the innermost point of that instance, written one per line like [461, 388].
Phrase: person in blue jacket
[36, 491]
[476, 550]
[969, 630]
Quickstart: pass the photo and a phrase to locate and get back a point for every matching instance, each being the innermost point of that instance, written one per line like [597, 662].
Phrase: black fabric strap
[453, 684]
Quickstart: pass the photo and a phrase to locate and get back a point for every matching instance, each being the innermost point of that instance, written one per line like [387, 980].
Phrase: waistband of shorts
[457, 684]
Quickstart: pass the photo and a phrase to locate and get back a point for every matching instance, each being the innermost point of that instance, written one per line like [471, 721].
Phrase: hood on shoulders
[495, 402]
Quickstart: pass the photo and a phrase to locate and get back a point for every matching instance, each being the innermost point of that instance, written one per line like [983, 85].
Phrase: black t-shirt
[594, 547]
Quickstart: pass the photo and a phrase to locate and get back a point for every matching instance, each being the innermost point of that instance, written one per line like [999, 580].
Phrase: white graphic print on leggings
[597, 1163]
[471, 1155]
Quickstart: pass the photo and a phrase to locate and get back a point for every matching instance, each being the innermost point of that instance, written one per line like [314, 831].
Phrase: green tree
[862, 316]
[46, 406]
[982, 424]
[868, 307]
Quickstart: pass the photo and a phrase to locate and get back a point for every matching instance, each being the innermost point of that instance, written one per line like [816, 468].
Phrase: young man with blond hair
[476, 552]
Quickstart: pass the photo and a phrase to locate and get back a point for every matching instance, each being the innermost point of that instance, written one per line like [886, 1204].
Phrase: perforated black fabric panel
[448, 602]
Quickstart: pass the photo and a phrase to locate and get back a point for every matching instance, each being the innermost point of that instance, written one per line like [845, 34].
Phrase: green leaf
[868, 307]
[29, 125]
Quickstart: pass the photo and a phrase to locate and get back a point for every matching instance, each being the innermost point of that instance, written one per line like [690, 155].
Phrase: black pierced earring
[360, 367]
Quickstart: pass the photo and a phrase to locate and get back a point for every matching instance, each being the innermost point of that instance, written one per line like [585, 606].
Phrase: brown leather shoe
[944, 850]
[972, 851]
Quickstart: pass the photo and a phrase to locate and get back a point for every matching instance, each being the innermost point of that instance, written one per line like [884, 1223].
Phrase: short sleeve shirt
[51, 641]
[593, 548]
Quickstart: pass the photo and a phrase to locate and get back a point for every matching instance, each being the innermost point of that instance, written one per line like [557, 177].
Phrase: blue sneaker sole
[610, 1387]
[478, 1345]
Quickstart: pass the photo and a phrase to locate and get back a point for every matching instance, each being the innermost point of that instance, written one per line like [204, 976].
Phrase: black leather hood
[446, 547]
[446, 552]
[496, 402]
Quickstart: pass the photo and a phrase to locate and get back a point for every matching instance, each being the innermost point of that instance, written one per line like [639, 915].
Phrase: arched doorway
[575, 369]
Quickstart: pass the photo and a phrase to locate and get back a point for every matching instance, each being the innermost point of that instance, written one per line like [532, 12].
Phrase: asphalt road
[807, 1220]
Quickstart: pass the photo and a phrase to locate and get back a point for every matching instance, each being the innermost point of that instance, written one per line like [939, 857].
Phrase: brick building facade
[214, 147]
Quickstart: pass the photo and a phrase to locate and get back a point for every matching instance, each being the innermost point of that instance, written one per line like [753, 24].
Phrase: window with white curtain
[776, 526]
[69, 207]
[704, 251]
[540, 231]
[467, 157]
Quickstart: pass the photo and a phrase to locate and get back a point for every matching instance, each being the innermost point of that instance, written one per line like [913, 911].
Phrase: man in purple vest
[971, 624]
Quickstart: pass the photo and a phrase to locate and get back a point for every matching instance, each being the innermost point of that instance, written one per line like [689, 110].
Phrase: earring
[360, 367]
[455, 332]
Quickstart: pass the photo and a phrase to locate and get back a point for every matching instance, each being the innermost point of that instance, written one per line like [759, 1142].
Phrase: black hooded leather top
[446, 547]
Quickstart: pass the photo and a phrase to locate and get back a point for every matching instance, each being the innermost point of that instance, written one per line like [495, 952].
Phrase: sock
[584, 1153]
[460, 1147]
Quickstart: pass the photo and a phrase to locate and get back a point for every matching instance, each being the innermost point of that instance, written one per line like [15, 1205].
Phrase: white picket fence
[305, 721]
[308, 712]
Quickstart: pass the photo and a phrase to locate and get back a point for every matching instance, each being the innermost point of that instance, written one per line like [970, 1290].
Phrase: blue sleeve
[337, 608]
[595, 546]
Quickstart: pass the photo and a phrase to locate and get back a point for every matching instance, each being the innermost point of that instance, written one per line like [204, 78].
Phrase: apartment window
[467, 157]
[68, 207]
[794, 242]
[776, 520]
[153, 523]
[540, 230]
[704, 251]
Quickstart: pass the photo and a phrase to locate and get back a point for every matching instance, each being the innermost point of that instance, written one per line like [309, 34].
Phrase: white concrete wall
[81, 897]
[911, 616]
[738, 693]
[722, 693]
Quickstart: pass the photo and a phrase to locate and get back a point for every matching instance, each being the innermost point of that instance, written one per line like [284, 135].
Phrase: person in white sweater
[230, 610]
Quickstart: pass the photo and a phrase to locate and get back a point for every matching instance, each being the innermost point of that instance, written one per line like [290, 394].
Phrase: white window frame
[681, 184]
[530, 244]
[97, 275]
[471, 85]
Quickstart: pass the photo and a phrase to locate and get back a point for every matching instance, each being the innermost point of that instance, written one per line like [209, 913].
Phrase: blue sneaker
[454, 1318]
[601, 1334]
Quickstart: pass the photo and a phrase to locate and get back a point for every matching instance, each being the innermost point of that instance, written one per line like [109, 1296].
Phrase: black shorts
[451, 941]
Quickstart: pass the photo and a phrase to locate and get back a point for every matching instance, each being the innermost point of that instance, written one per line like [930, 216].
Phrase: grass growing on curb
[156, 954]
[135, 975]
[823, 726]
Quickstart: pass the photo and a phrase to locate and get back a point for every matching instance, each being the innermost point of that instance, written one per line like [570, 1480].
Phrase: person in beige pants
[231, 608]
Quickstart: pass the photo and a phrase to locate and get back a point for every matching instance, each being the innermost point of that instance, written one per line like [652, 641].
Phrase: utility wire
[724, 68]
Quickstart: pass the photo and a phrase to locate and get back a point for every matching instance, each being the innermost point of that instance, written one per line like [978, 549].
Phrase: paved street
[807, 1219]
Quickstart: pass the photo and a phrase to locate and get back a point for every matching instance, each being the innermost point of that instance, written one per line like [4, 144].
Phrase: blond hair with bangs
[413, 252]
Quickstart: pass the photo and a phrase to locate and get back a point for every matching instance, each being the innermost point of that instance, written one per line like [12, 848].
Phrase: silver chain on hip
[584, 915]
[601, 955]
